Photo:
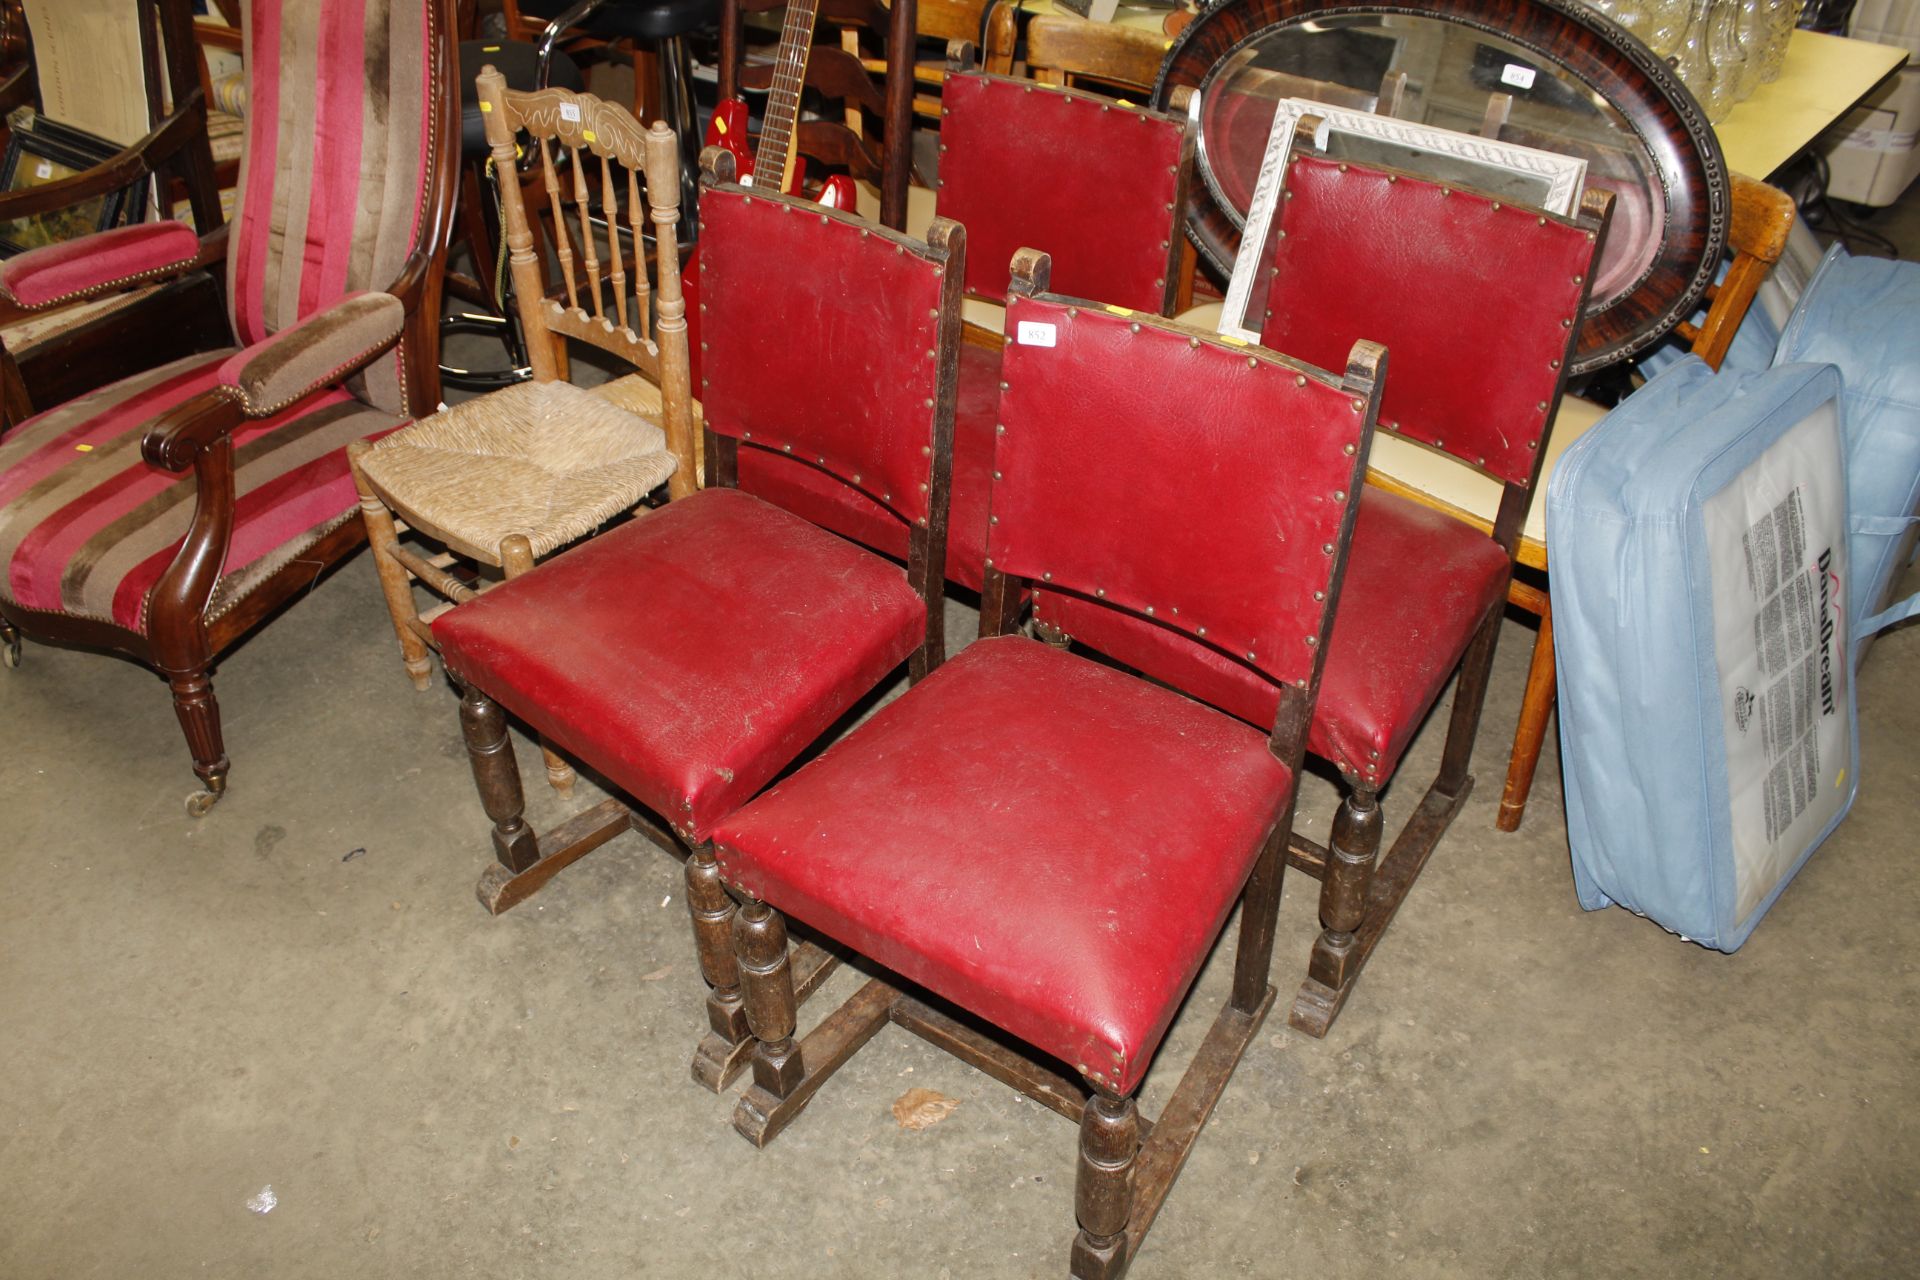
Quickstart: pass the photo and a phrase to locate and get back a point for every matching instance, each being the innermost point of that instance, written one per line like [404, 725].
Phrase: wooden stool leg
[516, 558]
[396, 584]
[1343, 891]
[497, 775]
[1530, 735]
[718, 1058]
[766, 982]
[1103, 1186]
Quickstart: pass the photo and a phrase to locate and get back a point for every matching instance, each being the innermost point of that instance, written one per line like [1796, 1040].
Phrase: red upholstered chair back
[1478, 301]
[1097, 185]
[1207, 486]
[832, 340]
[335, 177]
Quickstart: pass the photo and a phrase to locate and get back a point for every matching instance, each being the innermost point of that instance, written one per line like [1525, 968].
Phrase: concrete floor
[300, 991]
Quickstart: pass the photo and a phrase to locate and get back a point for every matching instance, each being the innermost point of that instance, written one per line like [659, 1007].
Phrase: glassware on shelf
[1724, 52]
[1666, 26]
[1691, 61]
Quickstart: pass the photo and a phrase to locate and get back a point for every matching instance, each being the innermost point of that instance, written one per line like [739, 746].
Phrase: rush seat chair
[1032, 840]
[519, 474]
[1096, 184]
[693, 653]
[333, 269]
[1479, 303]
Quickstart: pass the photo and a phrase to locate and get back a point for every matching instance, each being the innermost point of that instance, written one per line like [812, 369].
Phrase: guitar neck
[773, 162]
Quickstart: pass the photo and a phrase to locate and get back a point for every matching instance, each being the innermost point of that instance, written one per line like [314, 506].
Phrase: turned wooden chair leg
[199, 714]
[396, 584]
[497, 775]
[1259, 916]
[766, 984]
[713, 911]
[1343, 890]
[516, 558]
[1530, 735]
[1103, 1186]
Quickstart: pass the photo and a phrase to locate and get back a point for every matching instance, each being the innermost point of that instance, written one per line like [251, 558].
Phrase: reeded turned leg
[1103, 1186]
[721, 1052]
[766, 984]
[497, 776]
[395, 585]
[516, 558]
[199, 714]
[1343, 892]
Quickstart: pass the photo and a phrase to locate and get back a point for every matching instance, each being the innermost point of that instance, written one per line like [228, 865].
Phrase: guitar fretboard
[773, 162]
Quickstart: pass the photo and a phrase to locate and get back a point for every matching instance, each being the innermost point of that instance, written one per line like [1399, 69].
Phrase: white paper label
[570, 111]
[1516, 75]
[43, 170]
[1034, 333]
[1776, 538]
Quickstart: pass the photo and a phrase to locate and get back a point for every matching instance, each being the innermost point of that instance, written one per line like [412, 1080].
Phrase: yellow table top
[1824, 78]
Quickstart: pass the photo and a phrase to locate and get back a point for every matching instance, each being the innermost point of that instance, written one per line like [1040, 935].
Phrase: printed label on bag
[1518, 76]
[1034, 333]
[1777, 544]
[570, 111]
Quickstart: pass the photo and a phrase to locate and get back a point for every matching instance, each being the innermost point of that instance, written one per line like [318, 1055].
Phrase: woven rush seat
[548, 460]
[1094, 879]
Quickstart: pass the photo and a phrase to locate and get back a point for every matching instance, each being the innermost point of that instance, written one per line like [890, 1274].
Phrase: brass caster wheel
[199, 803]
[10, 653]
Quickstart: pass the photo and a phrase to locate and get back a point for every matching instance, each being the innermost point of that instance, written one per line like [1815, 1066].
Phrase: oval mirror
[1544, 73]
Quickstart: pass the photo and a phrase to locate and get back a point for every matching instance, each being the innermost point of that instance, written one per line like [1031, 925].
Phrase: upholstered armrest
[318, 351]
[98, 263]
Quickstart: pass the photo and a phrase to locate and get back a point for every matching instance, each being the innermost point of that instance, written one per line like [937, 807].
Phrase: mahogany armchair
[332, 281]
[693, 653]
[1034, 841]
[1479, 302]
[1022, 165]
[121, 305]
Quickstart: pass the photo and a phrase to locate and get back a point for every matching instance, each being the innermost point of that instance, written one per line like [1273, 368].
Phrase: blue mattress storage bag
[1701, 628]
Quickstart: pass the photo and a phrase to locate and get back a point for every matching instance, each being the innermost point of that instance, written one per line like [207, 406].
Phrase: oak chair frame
[1360, 890]
[182, 642]
[1127, 1164]
[1756, 237]
[588, 128]
[528, 861]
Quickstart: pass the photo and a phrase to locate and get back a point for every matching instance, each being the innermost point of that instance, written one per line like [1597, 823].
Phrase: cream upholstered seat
[546, 460]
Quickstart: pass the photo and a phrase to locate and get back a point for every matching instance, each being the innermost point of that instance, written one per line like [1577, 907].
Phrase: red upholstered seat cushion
[807, 491]
[87, 527]
[691, 654]
[1043, 840]
[1418, 582]
[71, 267]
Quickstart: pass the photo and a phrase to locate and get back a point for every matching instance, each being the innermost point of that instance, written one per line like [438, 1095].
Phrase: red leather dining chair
[690, 655]
[1096, 184]
[333, 267]
[1032, 840]
[1479, 301]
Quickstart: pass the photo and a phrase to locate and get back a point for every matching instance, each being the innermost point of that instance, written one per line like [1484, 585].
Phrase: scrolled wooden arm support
[195, 434]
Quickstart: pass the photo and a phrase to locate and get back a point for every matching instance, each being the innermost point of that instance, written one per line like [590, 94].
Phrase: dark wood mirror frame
[1584, 47]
